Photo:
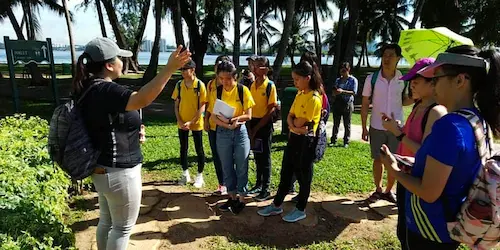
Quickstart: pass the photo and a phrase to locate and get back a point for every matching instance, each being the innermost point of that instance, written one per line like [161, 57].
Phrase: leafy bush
[33, 193]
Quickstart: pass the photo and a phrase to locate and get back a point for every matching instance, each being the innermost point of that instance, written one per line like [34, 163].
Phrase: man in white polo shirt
[388, 96]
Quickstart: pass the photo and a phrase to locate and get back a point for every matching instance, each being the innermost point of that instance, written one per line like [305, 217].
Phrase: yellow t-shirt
[308, 106]
[232, 99]
[188, 106]
[212, 92]
[261, 99]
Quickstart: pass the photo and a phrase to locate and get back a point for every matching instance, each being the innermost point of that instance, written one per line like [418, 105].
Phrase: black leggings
[198, 144]
[417, 242]
[299, 160]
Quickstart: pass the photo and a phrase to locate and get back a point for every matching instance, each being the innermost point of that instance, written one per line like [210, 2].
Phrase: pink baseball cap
[414, 71]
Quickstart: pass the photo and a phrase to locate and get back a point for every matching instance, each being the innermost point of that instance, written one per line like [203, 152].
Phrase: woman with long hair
[417, 127]
[210, 127]
[233, 143]
[466, 81]
[303, 120]
[110, 112]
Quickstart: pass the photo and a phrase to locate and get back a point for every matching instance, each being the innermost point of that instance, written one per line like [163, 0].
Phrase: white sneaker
[185, 179]
[223, 190]
[199, 182]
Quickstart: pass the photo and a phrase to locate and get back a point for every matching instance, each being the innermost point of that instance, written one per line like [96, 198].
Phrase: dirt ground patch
[182, 219]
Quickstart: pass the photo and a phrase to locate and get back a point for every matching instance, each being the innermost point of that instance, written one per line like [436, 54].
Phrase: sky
[86, 26]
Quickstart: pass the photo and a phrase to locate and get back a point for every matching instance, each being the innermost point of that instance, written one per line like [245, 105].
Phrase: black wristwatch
[401, 136]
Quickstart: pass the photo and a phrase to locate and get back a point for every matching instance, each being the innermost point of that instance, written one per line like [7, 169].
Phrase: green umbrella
[421, 43]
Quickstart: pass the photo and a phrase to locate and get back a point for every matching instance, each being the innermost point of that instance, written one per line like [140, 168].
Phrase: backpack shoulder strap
[269, 88]
[373, 81]
[483, 141]
[241, 94]
[80, 99]
[219, 92]
[426, 116]
[197, 91]
[178, 87]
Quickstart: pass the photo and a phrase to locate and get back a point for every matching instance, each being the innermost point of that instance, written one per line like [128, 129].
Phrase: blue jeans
[233, 147]
[212, 136]
[120, 192]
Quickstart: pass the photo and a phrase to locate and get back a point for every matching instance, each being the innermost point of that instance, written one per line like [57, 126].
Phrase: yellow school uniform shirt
[232, 99]
[308, 106]
[188, 106]
[261, 99]
[212, 95]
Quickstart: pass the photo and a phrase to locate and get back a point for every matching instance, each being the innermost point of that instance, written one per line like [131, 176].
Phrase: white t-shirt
[386, 98]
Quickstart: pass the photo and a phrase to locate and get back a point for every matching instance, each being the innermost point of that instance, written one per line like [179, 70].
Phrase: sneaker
[255, 190]
[375, 196]
[333, 141]
[185, 179]
[295, 199]
[226, 206]
[223, 190]
[237, 207]
[295, 216]
[198, 181]
[390, 197]
[250, 155]
[263, 196]
[346, 145]
[270, 210]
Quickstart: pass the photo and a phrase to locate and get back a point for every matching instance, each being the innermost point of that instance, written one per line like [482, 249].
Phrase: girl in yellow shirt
[303, 121]
[210, 128]
[233, 144]
[190, 98]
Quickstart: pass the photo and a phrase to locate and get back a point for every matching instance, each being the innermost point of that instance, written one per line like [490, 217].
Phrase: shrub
[33, 192]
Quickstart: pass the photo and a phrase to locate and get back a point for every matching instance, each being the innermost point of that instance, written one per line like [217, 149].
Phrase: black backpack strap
[268, 89]
[80, 99]
[197, 91]
[240, 95]
[219, 92]
[178, 87]
[426, 116]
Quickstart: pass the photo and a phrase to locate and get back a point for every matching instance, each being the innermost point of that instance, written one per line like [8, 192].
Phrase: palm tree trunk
[361, 56]
[30, 30]
[317, 36]
[101, 17]
[152, 69]
[15, 25]
[338, 45]
[353, 29]
[237, 32]
[177, 21]
[417, 13]
[70, 35]
[140, 33]
[367, 55]
[287, 29]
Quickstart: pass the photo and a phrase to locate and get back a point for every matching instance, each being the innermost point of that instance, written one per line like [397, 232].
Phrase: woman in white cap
[111, 115]
[467, 83]
[417, 127]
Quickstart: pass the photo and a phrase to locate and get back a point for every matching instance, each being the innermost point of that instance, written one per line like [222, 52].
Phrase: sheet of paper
[223, 109]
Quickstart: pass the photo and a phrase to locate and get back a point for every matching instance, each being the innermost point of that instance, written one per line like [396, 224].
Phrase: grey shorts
[380, 137]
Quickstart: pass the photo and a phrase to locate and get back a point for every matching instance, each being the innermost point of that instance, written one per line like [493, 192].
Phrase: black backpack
[70, 145]
[426, 114]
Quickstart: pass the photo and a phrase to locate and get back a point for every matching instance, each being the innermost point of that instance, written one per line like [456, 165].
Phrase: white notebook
[223, 109]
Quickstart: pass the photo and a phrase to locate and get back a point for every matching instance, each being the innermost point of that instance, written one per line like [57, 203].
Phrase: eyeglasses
[184, 69]
[435, 79]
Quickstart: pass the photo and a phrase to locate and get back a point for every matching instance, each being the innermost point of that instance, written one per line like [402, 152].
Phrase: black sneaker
[237, 207]
[390, 197]
[226, 206]
[255, 190]
[263, 196]
[375, 196]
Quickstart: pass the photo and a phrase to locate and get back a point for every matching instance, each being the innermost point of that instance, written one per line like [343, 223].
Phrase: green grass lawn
[341, 171]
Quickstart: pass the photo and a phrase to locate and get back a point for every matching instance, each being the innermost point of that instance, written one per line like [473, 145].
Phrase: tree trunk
[140, 33]
[361, 55]
[101, 17]
[317, 35]
[287, 29]
[70, 35]
[30, 30]
[338, 46]
[237, 32]
[353, 29]
[120, 38]
[177, 21]
[15, 25]
[152, 69]
[416, 13]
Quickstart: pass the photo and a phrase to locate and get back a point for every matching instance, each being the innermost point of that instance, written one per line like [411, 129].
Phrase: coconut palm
[97, 4]
[299, 39]
[265, 30]
[389, 21]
